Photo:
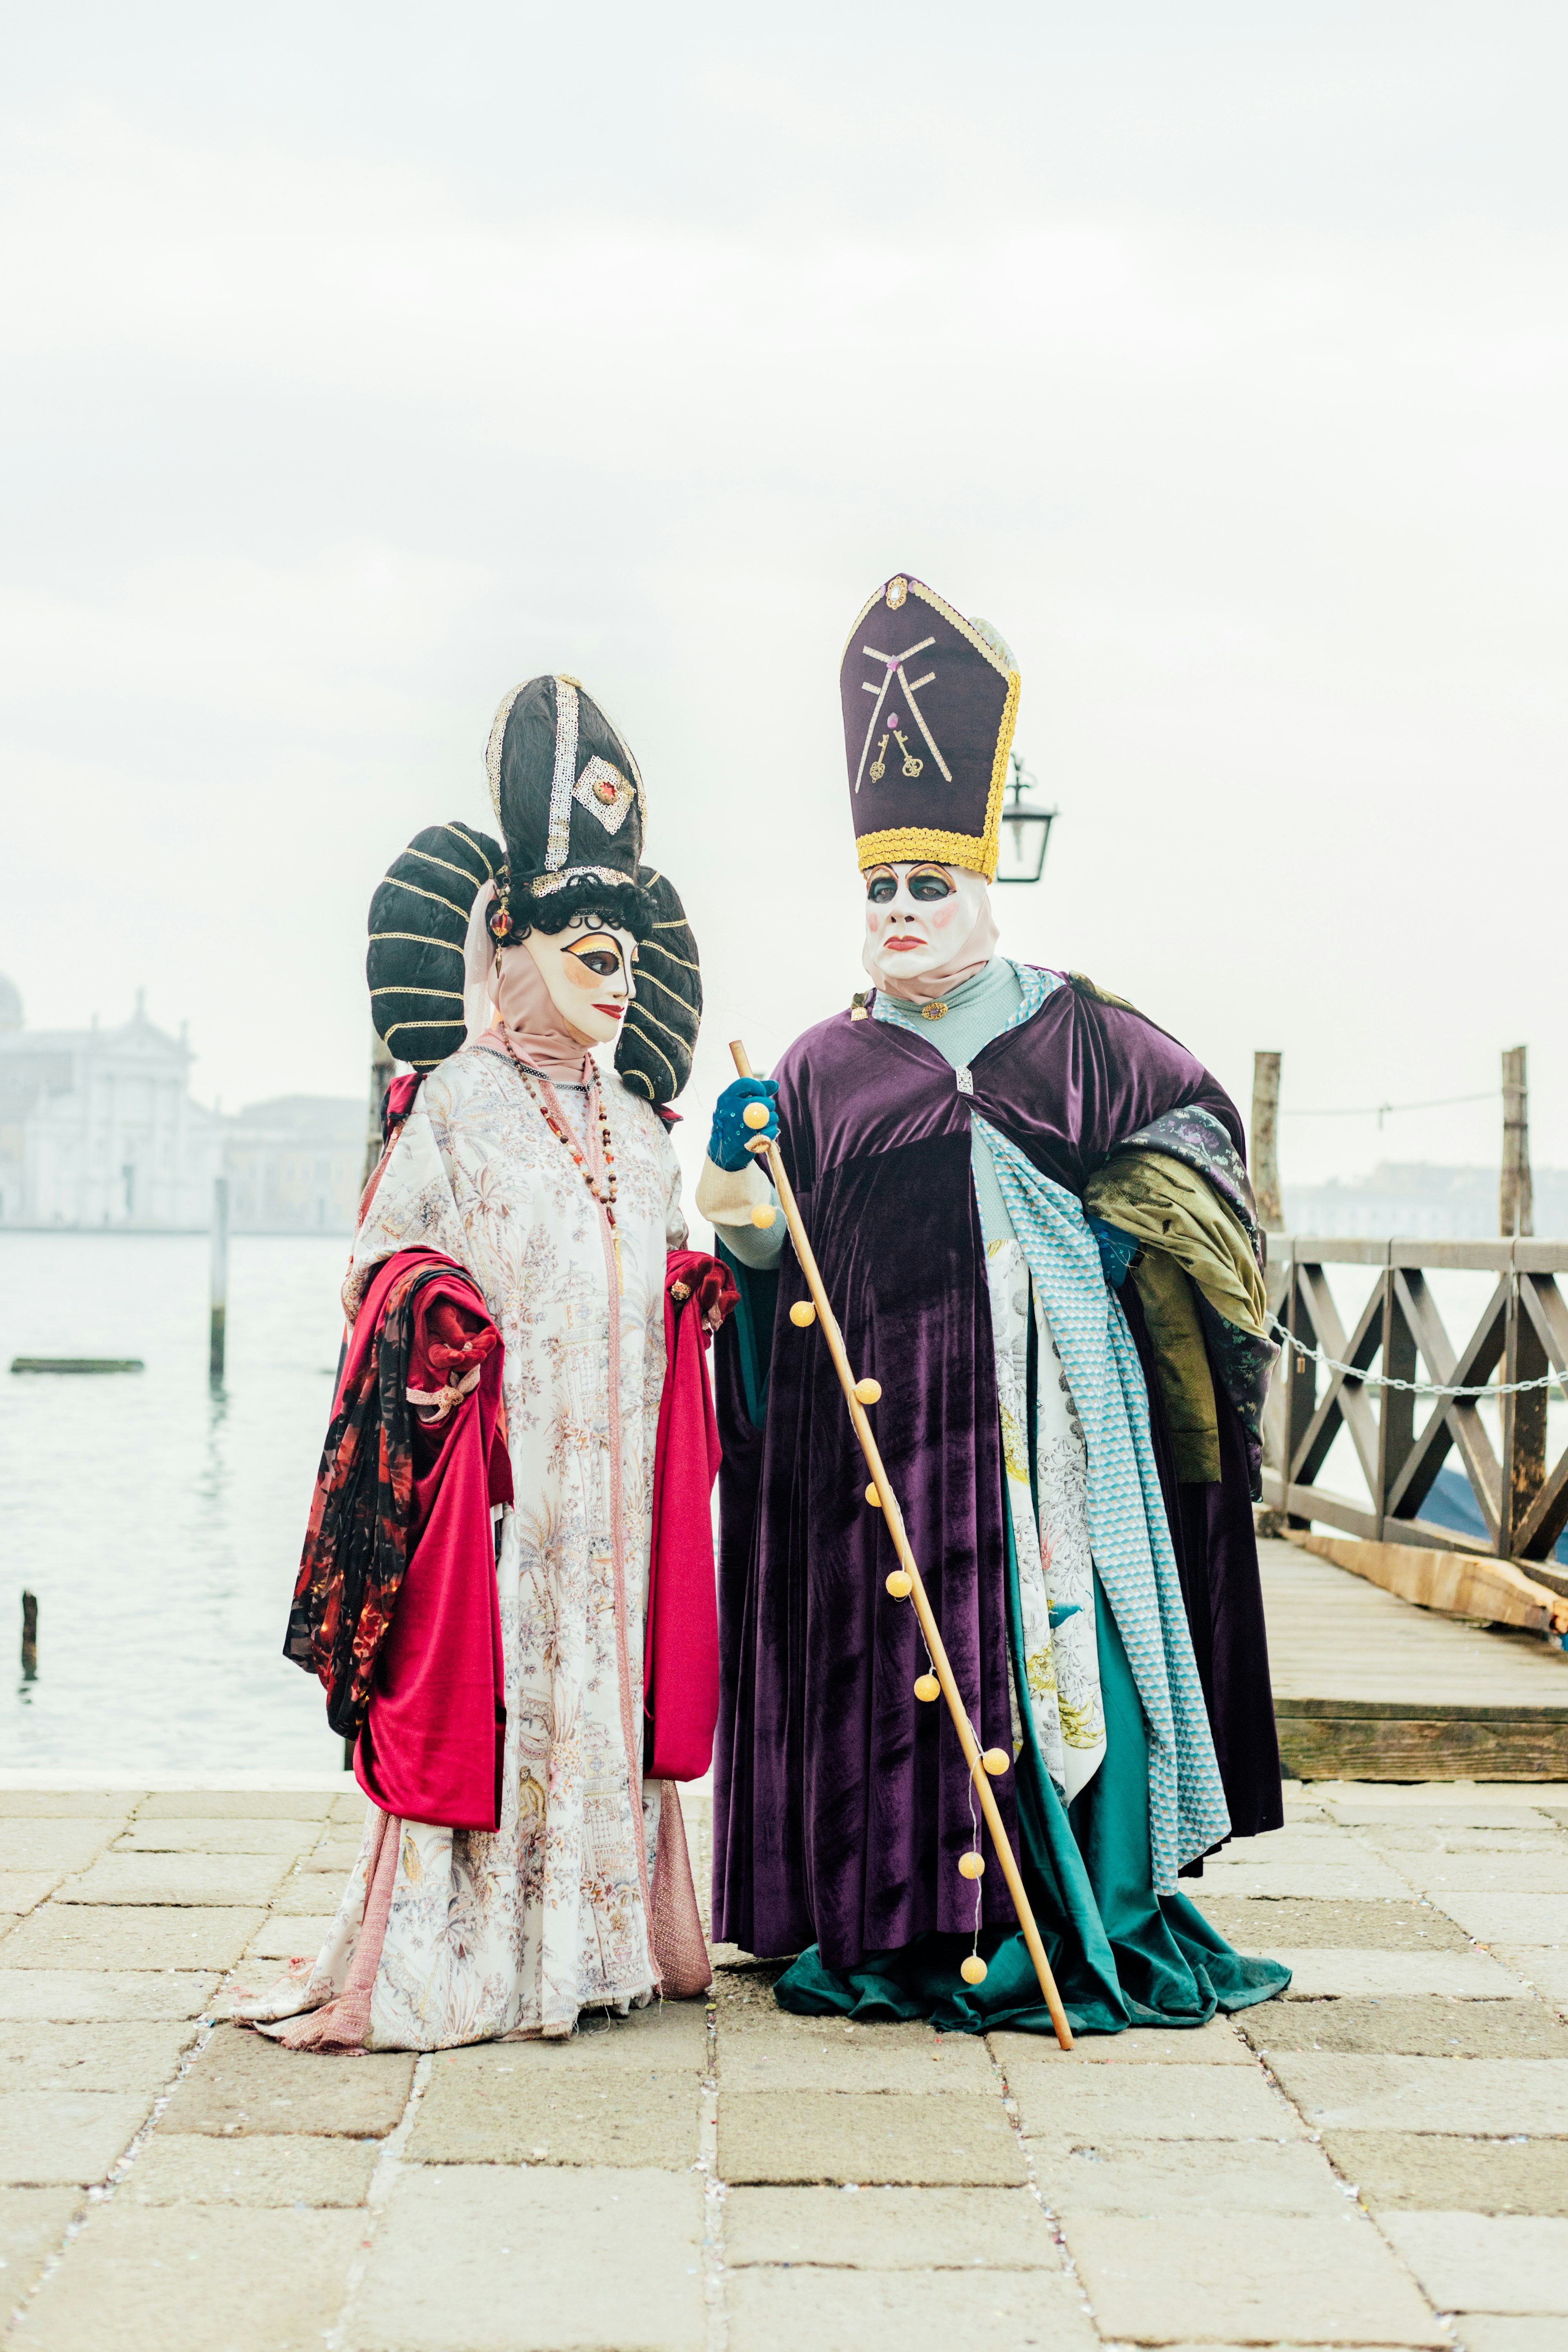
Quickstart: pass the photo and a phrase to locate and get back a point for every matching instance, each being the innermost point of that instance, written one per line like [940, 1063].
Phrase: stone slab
[1216, 2044]
[591, 2101]
[1302, 1840]
[236, 1805]
[1409, 2024]
[1542, 1965]
[288, 1937]
[830, 2061]
[194, 2280]
[1462, 1796]
[334, 1861]
[67, 1804]
[1528, 1875]
[1150, 2176]
[920, 2311]
[299, 2169]
[1326, 1879]
[183, 1878]
[1253, 1924]
[1317, 1970]
[129, 1936]
[486, 2259]
[1423, 2171]
[1491, 2096]
[876, 2137]
[33, 2222]
[889, 2229]
[93, 1995]
[1087, 2102]
[55, 2139]
[143, 2058]
[307, 1894]
[1489, 2332]
[244, 2083]
[1395, 1840]
[1509, 1918]
[1476, 2261]
[352, 1806]
[170, 1834]
[1256, 2279]
[57, 1846]
[24, 1890]
[1378, 1813]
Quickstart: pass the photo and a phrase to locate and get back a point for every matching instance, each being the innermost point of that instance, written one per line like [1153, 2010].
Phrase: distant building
[295, 1165]
[1420, 1201]
[99, 1128]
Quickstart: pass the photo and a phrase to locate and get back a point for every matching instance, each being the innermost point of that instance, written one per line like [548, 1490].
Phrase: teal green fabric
[1120, 1954]
[754, 1316]
[978, 1009]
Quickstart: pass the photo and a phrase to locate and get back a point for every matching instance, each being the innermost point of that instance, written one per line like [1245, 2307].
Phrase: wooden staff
[907, 1580]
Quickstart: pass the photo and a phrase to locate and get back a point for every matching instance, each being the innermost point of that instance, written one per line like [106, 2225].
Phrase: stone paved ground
[1382, 2159]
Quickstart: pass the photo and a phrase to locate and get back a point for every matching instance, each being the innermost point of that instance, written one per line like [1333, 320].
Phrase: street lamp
[1028, 825]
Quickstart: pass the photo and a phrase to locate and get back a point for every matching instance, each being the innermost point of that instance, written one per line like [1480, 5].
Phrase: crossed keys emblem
[891, 722]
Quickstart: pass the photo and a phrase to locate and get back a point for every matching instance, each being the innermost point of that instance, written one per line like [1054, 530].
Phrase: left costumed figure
[507, 1584]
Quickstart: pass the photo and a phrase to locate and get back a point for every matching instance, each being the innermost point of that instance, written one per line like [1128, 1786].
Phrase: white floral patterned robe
[489, 1934]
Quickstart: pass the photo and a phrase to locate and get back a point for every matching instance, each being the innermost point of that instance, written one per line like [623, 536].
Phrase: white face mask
[587, 970]
[922, 919]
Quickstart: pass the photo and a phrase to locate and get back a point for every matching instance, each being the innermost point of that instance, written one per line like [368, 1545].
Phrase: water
[159, 1520]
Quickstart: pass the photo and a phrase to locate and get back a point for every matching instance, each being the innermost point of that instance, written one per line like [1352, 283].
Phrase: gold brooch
[897, 591]
[937, 1012]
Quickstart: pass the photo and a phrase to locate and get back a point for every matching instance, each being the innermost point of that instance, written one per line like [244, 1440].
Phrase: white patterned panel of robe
[526, 1926]
[1056, 1571]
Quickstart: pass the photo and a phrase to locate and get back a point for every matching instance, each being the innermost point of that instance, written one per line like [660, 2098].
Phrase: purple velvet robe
[841, 1802]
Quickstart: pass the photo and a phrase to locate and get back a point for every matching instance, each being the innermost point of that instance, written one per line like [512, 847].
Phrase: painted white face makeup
[588, 969]
[919, 918]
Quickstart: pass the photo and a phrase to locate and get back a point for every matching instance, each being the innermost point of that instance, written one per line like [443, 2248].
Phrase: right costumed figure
[1031, 1217]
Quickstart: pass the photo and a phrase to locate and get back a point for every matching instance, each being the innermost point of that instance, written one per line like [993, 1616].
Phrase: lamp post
[1026, 824]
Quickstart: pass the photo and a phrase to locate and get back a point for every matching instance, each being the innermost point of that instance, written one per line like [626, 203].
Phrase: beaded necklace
[600, 1181]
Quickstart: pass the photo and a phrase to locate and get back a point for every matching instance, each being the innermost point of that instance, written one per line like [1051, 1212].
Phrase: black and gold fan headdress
[571, 808]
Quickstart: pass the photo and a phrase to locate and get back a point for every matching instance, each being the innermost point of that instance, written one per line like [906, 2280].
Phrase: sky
[361, 362]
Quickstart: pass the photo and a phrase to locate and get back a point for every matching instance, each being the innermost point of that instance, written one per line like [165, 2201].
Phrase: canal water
[157, 1517]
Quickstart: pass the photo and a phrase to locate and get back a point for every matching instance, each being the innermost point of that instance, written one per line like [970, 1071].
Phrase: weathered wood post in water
[383, 1070]
[1516, 1195]
[29, 1637]
[219, 1329]
[1266, 1142]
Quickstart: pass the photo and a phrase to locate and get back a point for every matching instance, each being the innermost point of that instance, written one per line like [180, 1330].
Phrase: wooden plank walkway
[1367, 1687]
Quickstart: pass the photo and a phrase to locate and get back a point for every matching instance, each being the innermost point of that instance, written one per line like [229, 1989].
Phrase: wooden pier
[1369, 1688]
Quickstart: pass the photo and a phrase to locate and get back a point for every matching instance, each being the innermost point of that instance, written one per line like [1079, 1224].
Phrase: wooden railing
[1399, 1335]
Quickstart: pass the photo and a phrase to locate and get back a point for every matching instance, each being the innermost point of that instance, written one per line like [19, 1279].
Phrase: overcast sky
[362, 361]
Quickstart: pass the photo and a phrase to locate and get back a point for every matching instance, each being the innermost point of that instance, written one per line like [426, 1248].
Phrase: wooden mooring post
[29, 1637]
[1265, 1142]
[1516, 1193]
[219, 1329]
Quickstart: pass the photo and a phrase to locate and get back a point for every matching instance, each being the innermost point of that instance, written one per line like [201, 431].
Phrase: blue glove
[1117, 1250]
[726, 1144]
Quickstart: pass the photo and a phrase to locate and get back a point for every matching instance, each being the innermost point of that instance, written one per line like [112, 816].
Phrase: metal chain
[1418, 1388]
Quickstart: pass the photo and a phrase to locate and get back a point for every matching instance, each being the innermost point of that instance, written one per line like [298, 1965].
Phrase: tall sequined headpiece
[930, 704]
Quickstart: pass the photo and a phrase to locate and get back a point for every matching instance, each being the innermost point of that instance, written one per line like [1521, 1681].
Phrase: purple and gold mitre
[930, 701]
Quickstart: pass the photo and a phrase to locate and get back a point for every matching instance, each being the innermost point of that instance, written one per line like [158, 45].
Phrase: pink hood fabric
[526, 1012]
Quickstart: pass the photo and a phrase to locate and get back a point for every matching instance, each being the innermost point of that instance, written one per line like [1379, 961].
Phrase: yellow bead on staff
[900, 1584]
[970, 1865]
[802, 1314]
[928, 1687]
[867, 1391]
[755, 1114]
[997, 1761]
[763, 1215]
[973, 1972]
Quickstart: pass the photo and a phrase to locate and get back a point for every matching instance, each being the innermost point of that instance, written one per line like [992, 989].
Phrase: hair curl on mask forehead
[584, 903]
